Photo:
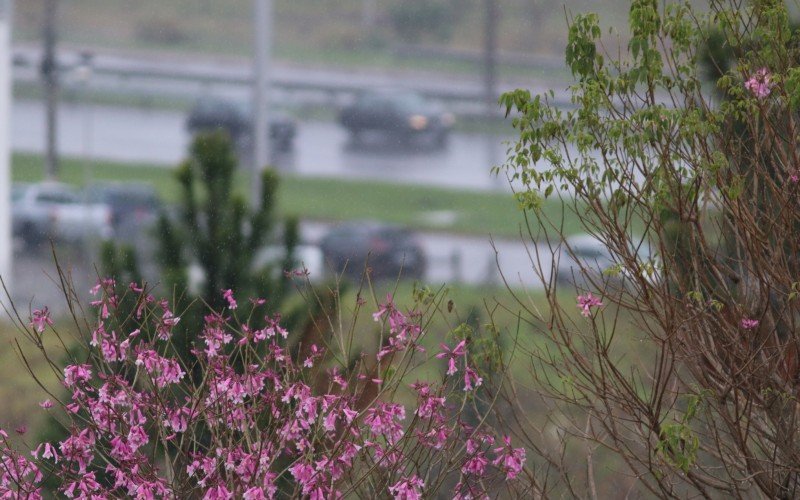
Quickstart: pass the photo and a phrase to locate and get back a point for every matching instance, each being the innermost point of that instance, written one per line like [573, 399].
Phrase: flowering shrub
[257, 415]
[680, 154]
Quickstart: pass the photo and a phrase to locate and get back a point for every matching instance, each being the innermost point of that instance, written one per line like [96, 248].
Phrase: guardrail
[137, 76]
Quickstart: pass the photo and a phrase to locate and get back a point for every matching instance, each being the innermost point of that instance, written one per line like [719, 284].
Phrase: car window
[56, 197]
[590, 253]
[374, 102]
[411, 102]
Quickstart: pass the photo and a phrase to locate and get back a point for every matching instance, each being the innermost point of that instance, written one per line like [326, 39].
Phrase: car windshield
[411, 102]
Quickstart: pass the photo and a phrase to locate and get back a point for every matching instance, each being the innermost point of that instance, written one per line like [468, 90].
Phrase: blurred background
[380, 118]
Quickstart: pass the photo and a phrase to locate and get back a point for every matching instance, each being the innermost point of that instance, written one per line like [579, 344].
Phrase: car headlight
[417, 122]
[448, 119]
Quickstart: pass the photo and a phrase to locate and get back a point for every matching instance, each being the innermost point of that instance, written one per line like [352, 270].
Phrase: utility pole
[49, 71]
[491, 16]
[5, 146]
[260, 129]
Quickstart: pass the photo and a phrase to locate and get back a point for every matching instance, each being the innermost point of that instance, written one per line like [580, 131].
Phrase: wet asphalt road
[321, 148]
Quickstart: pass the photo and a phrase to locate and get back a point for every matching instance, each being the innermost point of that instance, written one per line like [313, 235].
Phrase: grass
[330, 200]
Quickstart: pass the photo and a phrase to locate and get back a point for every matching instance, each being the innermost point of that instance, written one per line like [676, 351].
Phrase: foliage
[712, 176]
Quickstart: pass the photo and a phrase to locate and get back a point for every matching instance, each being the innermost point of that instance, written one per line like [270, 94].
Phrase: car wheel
[31, 236]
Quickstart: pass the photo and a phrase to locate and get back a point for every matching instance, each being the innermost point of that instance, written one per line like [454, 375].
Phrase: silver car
[50, 210]
[585, 258]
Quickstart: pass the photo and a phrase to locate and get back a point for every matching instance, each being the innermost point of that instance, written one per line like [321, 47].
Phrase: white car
[307, 257]
[584, 257]
[51, 210]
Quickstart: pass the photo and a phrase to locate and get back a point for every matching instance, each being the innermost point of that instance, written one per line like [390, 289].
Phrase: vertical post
[49, 71]
[5, 145]
[260, 129]
[490, 55]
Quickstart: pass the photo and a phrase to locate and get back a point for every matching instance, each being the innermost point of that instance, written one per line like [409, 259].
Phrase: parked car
[388, 250]
[399, 114]
[584, 257]
[236, 119]
[55, 211]
[135, 206]
[308, 257]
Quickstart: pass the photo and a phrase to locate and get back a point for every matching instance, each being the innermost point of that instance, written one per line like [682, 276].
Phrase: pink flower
[586, 302]
[384, 309]
[471, 379]
[451, 355]
[46, 450]
[407, 488]
[40, 319]
[476, 465]
[511, 460]
[384, 420]
[254, 494]
[305, 475]
[760, 84]
[77, 373]
[428, 403]
[748, 324]
[228, 295]
[219, 492]
[46, 404]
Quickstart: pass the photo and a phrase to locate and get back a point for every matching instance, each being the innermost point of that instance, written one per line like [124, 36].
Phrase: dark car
[236, 119]
[388, 250]
[134, 206]
[402, 115]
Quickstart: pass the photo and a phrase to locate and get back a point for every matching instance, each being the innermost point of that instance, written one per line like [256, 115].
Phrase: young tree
[217, 231]
[215, 225]
[649, 157]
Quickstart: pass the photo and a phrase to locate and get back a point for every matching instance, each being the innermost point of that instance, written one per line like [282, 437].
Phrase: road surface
[321, 148]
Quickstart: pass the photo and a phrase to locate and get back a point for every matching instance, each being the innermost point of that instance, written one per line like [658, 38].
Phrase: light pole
[49, 70]
[261, 54]
[490, 55]
[5, 146]
[83, 75]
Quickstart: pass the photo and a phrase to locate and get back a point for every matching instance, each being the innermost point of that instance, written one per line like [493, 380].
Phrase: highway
[158, 137]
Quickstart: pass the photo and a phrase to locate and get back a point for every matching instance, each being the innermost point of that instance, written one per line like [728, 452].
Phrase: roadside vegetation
[341, 34]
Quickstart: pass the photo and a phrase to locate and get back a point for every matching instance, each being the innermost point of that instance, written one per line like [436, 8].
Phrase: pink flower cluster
[760, 83]
[586, 302]
[40, 319]
[248, 416]
[748, 324]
